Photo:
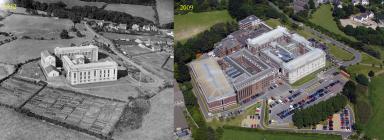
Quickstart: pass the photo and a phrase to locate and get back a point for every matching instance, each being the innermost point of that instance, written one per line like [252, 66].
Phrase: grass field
[323, 17]
[165, 10]
[71, 3]
[340, 53]
[146, 12]
[230, 134]
[21, 50]
[15, 126]
[367, 59]
[363, 69]
[375, 124]
[189, 25]
[273, 22]
[34, 26]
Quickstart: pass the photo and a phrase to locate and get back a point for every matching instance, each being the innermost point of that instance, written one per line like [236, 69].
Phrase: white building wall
[307, 69]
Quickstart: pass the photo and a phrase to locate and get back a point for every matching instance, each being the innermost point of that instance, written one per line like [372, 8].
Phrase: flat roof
[211, 79]
[268, 36]
[93, 65]
[75, 48]
[252, 70]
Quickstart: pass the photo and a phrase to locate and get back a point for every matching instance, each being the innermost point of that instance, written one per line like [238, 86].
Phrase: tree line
[240, 9]
[318, 112]
[76, 13]
[138, 2]
[202, 43]
[200, 5]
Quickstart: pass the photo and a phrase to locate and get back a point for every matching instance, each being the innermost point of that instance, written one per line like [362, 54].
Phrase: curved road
[157, 80]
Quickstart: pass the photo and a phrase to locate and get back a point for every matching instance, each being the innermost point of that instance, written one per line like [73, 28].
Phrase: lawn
[146, 12]
[273, 22]
[363, 69]
[340, 53]
[367, 59]
[189, 25]
[232, 134]
[236, 121]
[323, 17]
[375, 124]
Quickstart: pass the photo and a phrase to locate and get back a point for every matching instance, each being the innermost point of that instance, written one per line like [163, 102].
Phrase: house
[122, 26]
[362, 18]
[362, 2]
[51, 71]
[135, 27]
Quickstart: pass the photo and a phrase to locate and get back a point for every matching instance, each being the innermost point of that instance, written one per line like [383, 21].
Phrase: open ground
[323, 17]
[146, 12]
[191, 24]
[165, 11]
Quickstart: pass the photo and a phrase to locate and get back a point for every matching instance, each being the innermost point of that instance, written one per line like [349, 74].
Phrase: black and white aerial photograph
[86, 70]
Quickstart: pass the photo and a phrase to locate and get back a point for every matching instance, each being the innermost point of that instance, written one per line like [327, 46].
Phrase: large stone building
[238, 72]
[48, 64]
[90, 52]
[211, 86]
[290, 53]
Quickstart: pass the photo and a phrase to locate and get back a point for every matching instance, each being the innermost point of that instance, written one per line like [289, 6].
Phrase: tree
[64, 34]
[311, 4]
[371, 73]
[362, 79]
[349, 90]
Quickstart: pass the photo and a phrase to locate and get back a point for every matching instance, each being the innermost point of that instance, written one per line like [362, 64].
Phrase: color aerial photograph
[279, 69]
[86, 70]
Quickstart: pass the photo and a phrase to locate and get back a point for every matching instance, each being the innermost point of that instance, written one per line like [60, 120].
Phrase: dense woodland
[318, 112]
[138, 2]
[240, 9]
[76, 13]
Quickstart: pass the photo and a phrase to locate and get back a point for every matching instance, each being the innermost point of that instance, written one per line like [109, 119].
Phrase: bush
[362, 79]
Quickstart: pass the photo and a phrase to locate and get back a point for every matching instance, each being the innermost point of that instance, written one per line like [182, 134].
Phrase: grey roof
[211, 79]
[241, 76]
[50, 68]
[249, 19]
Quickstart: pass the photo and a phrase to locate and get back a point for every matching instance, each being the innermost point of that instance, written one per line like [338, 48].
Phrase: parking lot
[281, 108]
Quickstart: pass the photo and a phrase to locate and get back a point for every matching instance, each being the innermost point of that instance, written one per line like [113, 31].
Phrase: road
[327, 39]
[157, 80]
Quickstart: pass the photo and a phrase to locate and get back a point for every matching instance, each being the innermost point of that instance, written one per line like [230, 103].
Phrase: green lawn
[323, 17]
[340, 53]
[189, 25]
[273, 22]
[231, 134]
[367, 59]
[363, 69]
[375, 124]
[236, 121]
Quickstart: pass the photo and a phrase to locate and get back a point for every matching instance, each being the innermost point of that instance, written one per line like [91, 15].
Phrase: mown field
[230, 134]
[340, 53]
[21, 50]
[165, 11]
[146, 12]
[34, 26]
[189, 25]
[323, 17]
[16, 126]
[375, 124]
